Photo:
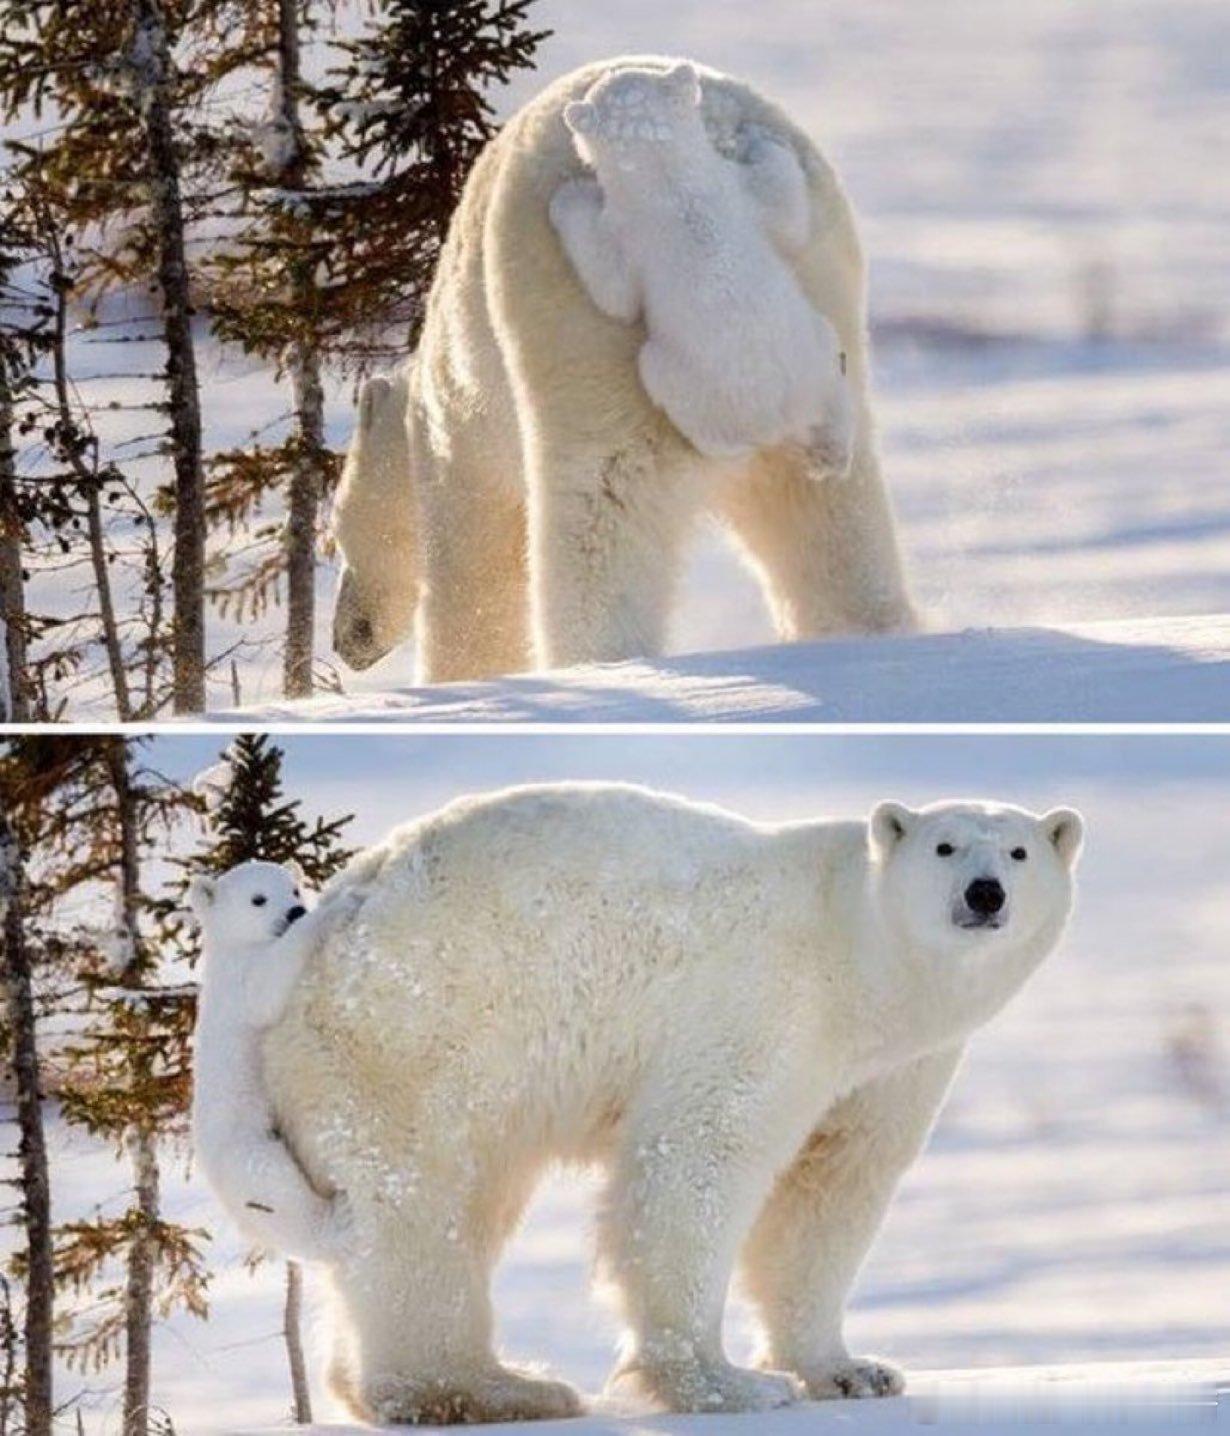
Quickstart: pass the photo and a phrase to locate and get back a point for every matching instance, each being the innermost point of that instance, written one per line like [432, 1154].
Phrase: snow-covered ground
[1160, 670]
[1074, 1205]
[1152, 1398]
[1041, 194]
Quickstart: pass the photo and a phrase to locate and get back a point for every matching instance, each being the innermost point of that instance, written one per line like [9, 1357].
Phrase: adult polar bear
[749, 1027]
[550, 501]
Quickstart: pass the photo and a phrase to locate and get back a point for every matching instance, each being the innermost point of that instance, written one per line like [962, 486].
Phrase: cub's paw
[853, 1378]
[337, 1232]
[704, 1386]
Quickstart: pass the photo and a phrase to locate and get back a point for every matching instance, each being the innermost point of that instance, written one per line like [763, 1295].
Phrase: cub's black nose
[985, 896]
[295, 914]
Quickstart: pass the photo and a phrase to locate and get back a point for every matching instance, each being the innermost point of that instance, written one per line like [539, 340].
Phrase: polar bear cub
[736, 355]
[256, 933]
[749, 1027]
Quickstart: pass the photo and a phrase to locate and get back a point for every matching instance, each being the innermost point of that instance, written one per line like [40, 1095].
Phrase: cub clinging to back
[669, 229]
[256, 934]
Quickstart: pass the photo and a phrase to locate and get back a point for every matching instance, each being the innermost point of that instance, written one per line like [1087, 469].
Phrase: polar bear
[750, 1027]
[735, 355]
[256, 935]
[549, 499]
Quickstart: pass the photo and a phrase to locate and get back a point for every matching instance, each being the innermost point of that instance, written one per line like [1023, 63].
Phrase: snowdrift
[1149, 1397]
[1172, 670]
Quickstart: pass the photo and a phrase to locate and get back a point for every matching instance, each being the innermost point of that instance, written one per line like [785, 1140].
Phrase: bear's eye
[259, 901]
[1019, 855]
[945, 850]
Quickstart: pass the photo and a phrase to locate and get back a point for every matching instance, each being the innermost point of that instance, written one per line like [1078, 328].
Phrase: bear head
[965, 877]
[377, 592]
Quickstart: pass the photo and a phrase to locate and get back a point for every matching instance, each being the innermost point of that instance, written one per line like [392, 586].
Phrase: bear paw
[499, 1395]
[853, 1378]
[704, 1386]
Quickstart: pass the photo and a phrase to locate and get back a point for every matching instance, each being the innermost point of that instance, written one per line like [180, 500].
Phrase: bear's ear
[371, 397]
[684, 82]
[1066, 830]
[581, 117]
[890, 822]
[201, 893]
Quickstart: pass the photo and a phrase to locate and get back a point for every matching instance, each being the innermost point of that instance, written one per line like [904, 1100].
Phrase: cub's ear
[1066, 829]
[296, 871]
[371, 397]
[684, 82]
[201, 893]
[581, 117]
[890, 822]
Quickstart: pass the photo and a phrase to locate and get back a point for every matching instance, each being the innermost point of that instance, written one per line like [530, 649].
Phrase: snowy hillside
[1147, 670]
[1072, 1205]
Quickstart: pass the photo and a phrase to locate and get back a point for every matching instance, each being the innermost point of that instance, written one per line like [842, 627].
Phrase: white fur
[254, 949]
[750, 1028]
[549, 500]
[735, 354]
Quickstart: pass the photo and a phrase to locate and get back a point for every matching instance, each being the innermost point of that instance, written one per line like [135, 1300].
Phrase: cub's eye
[259, 901]
[1019, 855]
[945, 850]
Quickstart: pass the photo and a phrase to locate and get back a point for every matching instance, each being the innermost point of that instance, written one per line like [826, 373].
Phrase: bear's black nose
[295, 914]
[985, 896]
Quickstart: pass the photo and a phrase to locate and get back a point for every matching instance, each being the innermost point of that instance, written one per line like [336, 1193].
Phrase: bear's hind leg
[825, 549]
[417, 1302]
[607, 529]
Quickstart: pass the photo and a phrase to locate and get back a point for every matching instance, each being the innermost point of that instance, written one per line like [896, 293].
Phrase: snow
[1150, 1397]
[1145, 670]
[1050, 298]
[1071, 1207]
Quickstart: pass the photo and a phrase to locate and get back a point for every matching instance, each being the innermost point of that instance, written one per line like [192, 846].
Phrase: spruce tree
[127, 160]
[409, 106]
[97, 819]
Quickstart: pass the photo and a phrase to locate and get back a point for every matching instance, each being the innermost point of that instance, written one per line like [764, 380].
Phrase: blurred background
[1072, 1204]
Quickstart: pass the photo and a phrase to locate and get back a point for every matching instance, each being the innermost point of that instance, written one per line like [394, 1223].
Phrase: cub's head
[970, 877]
[626, 111]
[251, 904]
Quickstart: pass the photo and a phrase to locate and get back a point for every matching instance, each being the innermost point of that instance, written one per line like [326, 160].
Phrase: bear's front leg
[694, 1170]
[813, 1235]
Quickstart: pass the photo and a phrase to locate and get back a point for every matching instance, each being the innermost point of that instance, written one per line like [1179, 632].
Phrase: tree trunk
[85, 475]
[152, 58]
[15, 700]
[292, 1331]
[303, 507]
[307, 484]
[139, 1291]
[35, 1183]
